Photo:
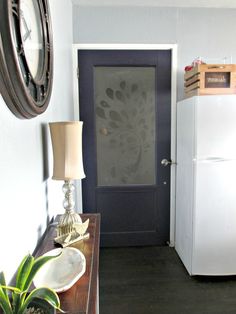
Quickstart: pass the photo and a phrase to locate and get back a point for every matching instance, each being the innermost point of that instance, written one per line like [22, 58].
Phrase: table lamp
[68, 166]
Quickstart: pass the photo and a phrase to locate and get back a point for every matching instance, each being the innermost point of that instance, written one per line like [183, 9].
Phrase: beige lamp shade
[67, 150]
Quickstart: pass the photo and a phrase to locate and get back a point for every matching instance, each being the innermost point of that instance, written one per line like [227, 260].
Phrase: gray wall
[209, 33]
[28, 196]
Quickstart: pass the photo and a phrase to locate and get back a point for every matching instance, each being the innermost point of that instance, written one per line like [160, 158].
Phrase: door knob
[165, 162]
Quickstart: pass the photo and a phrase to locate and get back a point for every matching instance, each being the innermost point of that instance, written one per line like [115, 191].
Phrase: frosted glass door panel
[125, 125]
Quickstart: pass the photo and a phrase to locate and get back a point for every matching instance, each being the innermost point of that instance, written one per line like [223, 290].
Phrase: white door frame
[173, 48]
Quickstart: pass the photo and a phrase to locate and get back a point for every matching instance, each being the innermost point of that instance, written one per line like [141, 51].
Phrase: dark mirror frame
[25, 96]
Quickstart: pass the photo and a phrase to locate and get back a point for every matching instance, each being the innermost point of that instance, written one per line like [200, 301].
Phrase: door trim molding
[173, 48]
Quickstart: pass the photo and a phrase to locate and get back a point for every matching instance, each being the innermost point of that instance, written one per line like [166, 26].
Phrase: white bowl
[62, 272]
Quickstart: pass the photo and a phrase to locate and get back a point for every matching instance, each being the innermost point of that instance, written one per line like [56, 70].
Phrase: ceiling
[160, 3]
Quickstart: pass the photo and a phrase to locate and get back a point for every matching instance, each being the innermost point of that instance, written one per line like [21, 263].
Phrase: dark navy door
[125, 103]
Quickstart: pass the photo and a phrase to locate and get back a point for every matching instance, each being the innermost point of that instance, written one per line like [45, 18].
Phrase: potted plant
[19, 299]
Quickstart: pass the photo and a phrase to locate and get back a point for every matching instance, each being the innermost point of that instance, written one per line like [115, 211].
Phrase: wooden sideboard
[82, 297]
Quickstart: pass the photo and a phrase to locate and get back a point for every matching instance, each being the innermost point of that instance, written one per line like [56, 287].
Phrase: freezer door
[214, 217]
[215, 126]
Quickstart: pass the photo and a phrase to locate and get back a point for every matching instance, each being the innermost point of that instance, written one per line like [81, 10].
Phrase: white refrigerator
[206, 184]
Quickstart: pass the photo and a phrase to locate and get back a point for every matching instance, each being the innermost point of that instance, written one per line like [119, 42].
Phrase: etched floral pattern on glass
[125, 125]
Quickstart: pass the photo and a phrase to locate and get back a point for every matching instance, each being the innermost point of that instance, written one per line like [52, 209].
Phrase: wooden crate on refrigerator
[210, 79]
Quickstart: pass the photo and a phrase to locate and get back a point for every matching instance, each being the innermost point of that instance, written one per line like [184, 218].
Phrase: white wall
[28, 196]
[202, 32]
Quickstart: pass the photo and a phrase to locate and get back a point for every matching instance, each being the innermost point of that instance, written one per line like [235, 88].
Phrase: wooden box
[210, 79]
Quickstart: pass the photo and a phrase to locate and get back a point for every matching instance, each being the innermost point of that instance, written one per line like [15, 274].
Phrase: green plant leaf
[3, 283]
[22, 274]
[4, 302]
[46, 294]
[2, 279]
[25, 274]
[14, 289]
[38, 263]
[24, 270]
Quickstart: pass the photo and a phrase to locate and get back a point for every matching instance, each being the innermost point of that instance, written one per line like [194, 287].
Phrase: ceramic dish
[62, 272]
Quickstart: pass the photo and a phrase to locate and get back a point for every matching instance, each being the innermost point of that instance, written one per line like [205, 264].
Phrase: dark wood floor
[146, 280]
